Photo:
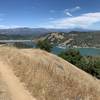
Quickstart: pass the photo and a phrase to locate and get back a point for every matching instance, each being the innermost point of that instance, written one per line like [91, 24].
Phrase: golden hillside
[44, 76]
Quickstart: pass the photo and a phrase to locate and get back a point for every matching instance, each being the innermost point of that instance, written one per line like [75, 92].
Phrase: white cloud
[75, 9]
[69, 11]
[83, 21]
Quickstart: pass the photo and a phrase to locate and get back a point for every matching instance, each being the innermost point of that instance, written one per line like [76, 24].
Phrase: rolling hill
[74, 38]
[36, 74]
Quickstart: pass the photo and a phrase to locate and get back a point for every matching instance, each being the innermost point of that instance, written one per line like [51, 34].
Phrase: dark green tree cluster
[72, 55]
[89, 64]
[45, 45]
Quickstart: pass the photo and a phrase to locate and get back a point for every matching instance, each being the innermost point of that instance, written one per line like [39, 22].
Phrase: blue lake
[83, 51]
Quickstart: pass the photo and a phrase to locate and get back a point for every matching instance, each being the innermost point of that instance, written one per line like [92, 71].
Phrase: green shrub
[45, 45]
[89, 64]
[72, 55]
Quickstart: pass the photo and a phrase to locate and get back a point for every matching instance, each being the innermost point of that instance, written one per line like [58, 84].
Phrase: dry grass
[49, 77]
[4, 92]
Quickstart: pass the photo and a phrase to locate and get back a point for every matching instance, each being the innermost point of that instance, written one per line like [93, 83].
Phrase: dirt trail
[16, 89]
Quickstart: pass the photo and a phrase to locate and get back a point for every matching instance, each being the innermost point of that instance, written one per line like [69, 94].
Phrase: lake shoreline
[87, 51]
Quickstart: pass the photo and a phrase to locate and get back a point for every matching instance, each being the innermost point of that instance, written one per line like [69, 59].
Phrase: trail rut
[16, 89]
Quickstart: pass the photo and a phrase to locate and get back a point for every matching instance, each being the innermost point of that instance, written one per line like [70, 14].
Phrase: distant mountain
[27, 31]
[22, 31]
[36, 31]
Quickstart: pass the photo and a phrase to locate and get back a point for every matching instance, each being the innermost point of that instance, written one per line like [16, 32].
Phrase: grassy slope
[49, 77]
[4, 92]
[16, 89]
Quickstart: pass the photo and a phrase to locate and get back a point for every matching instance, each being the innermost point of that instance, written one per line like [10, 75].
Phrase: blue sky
[50, 13]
